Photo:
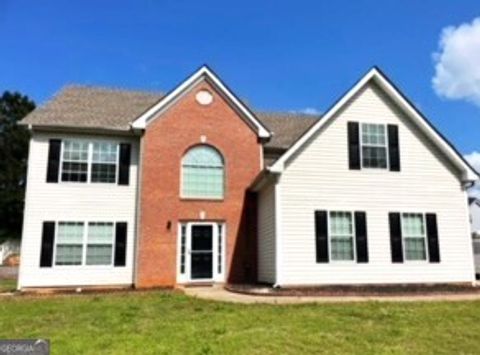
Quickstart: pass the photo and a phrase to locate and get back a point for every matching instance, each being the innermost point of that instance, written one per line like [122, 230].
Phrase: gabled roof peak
[204, 72]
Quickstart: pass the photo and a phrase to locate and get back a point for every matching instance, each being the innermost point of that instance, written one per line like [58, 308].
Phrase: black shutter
[124, 169]
[393, 148]
[432, 235]
[46, 252]
[353, 146]
[361, 237]
[120, 244]
[396, 237]
[53, 160]
[321, 236]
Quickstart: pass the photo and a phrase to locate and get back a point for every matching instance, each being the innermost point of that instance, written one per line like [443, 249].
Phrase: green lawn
[166, 323]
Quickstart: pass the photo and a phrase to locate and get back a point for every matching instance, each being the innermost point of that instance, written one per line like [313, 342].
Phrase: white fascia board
[468, 173]
[204, 71]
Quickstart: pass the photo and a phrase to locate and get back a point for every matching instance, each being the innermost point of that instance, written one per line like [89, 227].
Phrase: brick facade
[165, 141]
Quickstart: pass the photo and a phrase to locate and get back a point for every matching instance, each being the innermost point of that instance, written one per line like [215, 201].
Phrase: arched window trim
[192, 173]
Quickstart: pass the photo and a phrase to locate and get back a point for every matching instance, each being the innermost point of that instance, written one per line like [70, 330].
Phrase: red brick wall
[165, 141]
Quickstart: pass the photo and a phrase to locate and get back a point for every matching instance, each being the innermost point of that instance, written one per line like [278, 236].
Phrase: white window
[75, 161]
[99, 243]
[202, 173]
[84, 161]
[414, 236]
[341, 236]
[374, 146]
[69, 243]
[77, 245]
[104, 162]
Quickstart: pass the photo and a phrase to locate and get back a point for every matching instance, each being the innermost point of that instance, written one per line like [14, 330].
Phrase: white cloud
[457, 63]
[308, 111]
[474, 160]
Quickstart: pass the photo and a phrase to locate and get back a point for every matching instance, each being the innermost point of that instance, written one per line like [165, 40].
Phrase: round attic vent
[204, 97]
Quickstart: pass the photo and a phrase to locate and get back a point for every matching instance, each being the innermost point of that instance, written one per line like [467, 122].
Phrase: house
[8, 249]
[130, 188]
[474, 206]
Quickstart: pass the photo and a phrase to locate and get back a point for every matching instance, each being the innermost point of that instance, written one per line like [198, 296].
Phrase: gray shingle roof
[113, 109]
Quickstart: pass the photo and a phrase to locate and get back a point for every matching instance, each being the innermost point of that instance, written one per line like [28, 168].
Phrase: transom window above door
[374, 146]
[202, 173]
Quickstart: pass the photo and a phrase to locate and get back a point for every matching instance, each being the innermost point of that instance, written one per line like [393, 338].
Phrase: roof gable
[204, 73]
[375, 74]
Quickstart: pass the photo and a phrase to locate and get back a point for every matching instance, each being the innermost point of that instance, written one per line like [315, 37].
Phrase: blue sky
[276, 55]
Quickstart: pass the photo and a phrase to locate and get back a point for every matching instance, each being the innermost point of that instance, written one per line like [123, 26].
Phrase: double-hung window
[374, 146]
[80, 244]
[69, 243]
[84, 161]
[341, 236]
[75, 161]
[414, 236]
[104, 162]
[99, 243]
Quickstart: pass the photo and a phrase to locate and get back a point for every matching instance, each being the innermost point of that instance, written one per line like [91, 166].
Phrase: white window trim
[386, 146]
[354, 233]
[84, 245]
[425, 239]
[89, 162]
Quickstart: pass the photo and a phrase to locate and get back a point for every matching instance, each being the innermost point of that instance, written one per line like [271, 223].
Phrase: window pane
[100, 232]
[413, 229]
[75, 161]
[99, 254]
[69, 254]
[203, 173]
[341, 240]
[415, 249]
[100, 243]
[104, 162]
[374, 149]
[342, 248]
[70, 233]
[374, 157]
[104, 152]
[75, 172]
[104, 173]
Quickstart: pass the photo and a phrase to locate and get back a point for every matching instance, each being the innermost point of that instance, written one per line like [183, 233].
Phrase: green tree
[13, 161]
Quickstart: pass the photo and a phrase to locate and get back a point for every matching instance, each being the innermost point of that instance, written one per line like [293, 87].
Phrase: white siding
[74, 202]
[318, 178]
[266, 235]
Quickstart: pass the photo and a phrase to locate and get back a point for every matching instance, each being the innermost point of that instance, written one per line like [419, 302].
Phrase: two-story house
[129, 188]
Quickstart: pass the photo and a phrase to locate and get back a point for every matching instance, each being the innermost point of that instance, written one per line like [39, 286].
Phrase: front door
[201, 252]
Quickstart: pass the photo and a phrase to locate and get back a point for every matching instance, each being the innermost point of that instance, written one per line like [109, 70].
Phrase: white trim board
[204, 73]
[468, 173]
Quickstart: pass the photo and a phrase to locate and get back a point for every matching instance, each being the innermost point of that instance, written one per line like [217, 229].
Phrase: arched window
[202, 173]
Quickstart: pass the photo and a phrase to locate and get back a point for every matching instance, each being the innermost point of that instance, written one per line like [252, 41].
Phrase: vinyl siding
[266, 235]
[318, 178]
[74, 202]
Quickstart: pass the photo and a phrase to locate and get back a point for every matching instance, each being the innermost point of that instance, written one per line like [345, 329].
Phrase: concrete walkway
[220, 294]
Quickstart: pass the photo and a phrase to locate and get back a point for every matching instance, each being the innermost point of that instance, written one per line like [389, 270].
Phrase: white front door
[201, 253]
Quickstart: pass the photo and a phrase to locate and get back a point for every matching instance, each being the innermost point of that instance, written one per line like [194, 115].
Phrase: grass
[169, 323]
[7, 285]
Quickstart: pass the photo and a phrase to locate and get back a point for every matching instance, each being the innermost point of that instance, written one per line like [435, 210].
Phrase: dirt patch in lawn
[360, 290]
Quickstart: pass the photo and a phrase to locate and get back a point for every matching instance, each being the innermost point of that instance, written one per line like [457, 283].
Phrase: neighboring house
[130, 188]
[474, 205]
[8, 248]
